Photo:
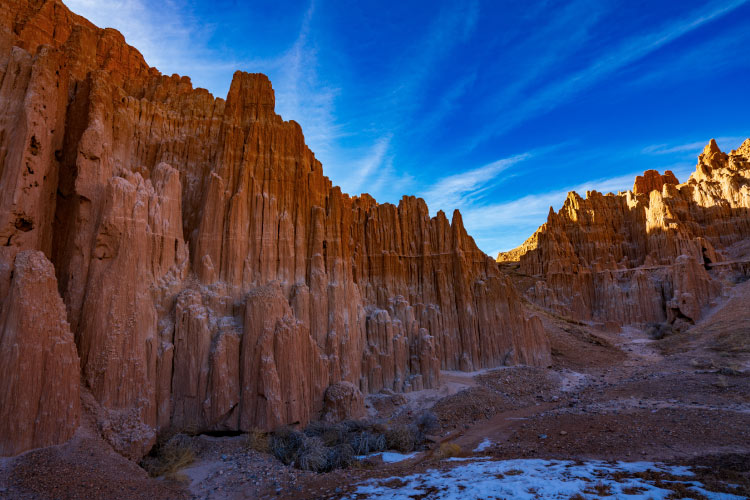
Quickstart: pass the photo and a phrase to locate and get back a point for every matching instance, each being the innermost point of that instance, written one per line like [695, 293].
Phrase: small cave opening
[706, 260]
[24, 224]
[35, 145]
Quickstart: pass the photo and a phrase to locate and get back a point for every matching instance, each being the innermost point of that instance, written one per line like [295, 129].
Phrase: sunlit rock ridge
[179, 261]
[661, 252]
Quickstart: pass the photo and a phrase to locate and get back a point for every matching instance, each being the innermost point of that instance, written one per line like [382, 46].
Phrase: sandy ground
[609, 396]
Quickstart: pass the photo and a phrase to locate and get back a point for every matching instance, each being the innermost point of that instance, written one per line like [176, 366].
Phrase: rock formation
[657, 253]
[213, 278]
[39, 400]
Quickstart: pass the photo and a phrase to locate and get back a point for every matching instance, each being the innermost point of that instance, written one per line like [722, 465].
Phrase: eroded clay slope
[660, 252]
[212, 276]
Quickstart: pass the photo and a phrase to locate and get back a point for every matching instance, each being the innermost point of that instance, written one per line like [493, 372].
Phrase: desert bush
[448, 450]
[365, 442]
[427, 422]
[340, 457]
[400, 438]
[331, 434]
[170, 456]
[658, 331]
[285, 443]
[353, 426]
[311, 454]
[258, 440]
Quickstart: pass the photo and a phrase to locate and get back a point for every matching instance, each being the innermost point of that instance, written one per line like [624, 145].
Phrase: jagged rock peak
[651, 180]
[657, 253]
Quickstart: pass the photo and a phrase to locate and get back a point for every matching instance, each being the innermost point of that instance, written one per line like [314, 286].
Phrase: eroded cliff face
[212, 276]
[657, 253]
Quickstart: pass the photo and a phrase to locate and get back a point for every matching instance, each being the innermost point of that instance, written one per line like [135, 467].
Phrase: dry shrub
[170, 456]
[258, 440]
[312, 454]
[364, 443]
[658, 331]
[427, 422]
[448, 450]
[284, 444]
[400, 438]
[340, 457]
[331, 434]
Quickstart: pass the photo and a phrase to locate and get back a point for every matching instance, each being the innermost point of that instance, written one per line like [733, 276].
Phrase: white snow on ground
[486, 443]
[529, 479]
[389, 457]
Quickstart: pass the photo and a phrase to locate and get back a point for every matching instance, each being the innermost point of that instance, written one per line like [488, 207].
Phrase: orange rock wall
[212, 276]
[657, 253]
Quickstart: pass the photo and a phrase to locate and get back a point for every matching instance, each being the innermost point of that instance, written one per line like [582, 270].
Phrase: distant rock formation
[654, 254]
[212, 276]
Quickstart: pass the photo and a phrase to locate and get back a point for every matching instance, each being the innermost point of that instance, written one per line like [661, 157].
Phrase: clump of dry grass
[258, 440]
[364, 443]
[448, 450]
[400, 438]
[311, 455]
[284, 444]
[170, 456]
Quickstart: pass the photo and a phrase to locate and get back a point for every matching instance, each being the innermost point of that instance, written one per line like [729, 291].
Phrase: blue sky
[497, 108]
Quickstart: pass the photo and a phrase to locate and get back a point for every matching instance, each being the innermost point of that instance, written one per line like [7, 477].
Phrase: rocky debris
[39, 400]
[213, 278]
[343, 401]
[659, 253]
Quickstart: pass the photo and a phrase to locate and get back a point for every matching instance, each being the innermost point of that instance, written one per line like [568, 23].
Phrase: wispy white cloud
[459, 190]
[371, 169]
[692, 148]
[364, 170]
[300, 93]
[169, 38]
[626, 53]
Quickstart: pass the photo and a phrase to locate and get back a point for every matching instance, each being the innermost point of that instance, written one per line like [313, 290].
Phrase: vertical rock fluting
[212, 276]
[653, 254]
[39, 401]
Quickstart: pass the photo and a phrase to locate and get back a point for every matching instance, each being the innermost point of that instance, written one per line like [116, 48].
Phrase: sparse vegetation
[401, 438]
[365, 442]
[285, 443]
[658, 331]
[323, 446]
[311, 455]
[448, 450]
[258, 440]
[170, 456]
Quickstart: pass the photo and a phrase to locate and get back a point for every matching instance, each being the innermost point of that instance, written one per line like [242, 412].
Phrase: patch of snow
[390, 457]
[486, 443]
[530, 479]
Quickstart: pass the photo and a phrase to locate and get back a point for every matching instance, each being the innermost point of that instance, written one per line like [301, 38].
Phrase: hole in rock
[35, 146]
[24, 224]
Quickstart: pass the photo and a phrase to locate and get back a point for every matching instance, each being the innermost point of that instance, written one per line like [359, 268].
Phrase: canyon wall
[660, 252]
[207, 275]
